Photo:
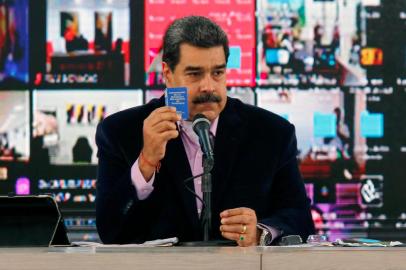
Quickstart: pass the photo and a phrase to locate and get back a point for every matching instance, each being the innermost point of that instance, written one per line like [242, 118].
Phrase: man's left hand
[240, 225]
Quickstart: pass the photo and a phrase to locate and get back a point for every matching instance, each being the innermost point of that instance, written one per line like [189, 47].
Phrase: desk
[253, 258]
[343, 258]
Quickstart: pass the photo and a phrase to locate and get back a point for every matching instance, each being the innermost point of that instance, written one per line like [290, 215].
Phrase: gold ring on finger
[244, 228]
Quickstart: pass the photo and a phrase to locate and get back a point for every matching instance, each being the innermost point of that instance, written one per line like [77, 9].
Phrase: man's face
[203, 72]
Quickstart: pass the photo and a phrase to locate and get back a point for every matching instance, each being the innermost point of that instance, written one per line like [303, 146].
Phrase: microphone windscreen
[200, 119]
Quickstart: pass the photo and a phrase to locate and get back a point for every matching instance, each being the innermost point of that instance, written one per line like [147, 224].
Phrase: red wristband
[156, 166]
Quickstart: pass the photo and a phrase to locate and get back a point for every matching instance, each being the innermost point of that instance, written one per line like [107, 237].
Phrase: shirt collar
[186, 126]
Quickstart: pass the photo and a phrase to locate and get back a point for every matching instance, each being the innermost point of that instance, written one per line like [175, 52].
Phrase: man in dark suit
[146, 153]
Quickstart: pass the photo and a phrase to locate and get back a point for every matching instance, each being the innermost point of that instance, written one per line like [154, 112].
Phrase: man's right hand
[159, 128]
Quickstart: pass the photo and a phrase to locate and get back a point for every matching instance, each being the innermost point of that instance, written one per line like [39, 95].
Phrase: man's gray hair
[193, 30]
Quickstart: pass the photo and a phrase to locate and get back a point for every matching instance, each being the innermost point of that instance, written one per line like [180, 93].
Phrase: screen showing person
[332, 153]
[236, 18]
[325, 132]
[14, 43]
[65, 121]
[323, 43]
[14, 126]
[88, 43]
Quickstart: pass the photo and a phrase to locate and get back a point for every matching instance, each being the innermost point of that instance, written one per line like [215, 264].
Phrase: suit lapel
[230, 132]
[178, 165]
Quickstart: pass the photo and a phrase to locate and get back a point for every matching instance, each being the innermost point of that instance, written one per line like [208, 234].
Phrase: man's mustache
[204, 98]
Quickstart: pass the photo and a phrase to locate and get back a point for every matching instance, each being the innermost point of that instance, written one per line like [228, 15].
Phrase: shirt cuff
[275, 233]
[143, 188]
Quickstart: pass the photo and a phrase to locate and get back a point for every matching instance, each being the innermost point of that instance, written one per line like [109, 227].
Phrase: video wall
[332, 68]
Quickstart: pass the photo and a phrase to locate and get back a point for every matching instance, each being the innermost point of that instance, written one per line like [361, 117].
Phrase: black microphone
[201, 126]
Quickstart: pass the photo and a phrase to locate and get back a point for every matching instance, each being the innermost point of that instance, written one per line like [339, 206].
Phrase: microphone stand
[206, 190]
[206, 217]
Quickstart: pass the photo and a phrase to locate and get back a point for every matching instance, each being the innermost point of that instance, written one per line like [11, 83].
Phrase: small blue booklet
[177, 97]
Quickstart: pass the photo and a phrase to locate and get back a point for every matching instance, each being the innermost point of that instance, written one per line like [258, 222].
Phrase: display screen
[236, 17]
[15, 153]
[14, 43]
[319, 43]
[88, 42]
[65, 121]
[14, 129]
[344, 138]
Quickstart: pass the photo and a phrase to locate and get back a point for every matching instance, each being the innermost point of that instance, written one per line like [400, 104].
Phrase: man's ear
[167, 73]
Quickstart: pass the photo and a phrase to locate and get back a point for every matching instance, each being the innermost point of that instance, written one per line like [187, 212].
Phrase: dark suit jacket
[255, 166]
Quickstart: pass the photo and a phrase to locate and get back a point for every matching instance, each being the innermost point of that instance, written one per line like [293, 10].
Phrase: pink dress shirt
[194, 154]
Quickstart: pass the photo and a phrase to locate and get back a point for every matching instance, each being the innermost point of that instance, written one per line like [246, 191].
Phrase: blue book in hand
[177, 97]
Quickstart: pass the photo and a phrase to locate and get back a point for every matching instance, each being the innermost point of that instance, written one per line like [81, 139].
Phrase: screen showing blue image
[324, 125]
[372, 125]
[14, 42]
[234, 60]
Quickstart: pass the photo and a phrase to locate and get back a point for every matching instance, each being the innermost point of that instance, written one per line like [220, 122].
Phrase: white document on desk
[154, 243]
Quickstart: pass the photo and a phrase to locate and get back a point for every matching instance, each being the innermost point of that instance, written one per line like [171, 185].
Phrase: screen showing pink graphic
[236, 17]
[23, 186]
